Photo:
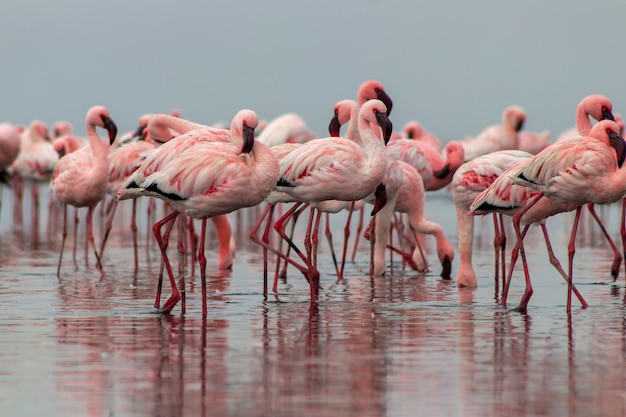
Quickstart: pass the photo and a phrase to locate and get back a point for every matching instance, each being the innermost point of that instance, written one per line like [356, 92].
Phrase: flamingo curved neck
[99, 148]
[164, 127]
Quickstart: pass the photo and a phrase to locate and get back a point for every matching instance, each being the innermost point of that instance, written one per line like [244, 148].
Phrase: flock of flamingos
[205, 172]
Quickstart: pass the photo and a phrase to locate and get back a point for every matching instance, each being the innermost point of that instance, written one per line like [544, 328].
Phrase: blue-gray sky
[452, 65]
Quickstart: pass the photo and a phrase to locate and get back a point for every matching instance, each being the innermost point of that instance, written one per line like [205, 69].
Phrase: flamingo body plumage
[497, 137]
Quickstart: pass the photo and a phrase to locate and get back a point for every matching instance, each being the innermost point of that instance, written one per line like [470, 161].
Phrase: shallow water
[407, 344]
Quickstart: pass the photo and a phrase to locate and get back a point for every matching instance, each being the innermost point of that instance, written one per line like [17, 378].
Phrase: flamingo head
[385, 124]
[381, 198]
[617, 142]
[607, 114]
[384, 97]
[248, 138]
[373, 89]
[110, 126]
[334, 126]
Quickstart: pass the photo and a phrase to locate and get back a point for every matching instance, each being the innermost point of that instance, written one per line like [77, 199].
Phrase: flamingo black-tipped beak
[384, 97]
[61, 153]
[334, 126]
[386, 125]
[519, 126]
[140, 132]
[248, 139]
[617, 143]
[446, 272]
[443, 172]
[606, 114]
[111, 127]
[381, 198]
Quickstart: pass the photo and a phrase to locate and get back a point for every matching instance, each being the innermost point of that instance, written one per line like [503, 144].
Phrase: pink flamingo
[436, 169]
[468, 182]
[62, 128]
[201, 177]
[164, 127]
[475, 177]
[598, 107]
[345, 110]
[406, 194]
[414, 130]
[594, 105]
[371, 90]
[333, 168]
[497, 137]
[368, 90]
[410, 151]
[286, 128]
[140, 131]
[9, 148]
[67, 144]
[570, 173]
[534, 143]
[123, 161]
[34, 163]
[80, 178]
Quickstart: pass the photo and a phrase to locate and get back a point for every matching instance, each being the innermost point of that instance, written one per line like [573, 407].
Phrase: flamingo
[164, 127]
[9, 148]
[80, 178]
[497, 137]
[67, 143]
[410, 151]
[534, 143]
[64, 144]
[333, 168]
[414, 130]
[201, 177]
[436, 171]
[286, 128]
[123, 161]
[368, 90]
[472, 178]
[34, 163]
[139, 132]
[596, 106]
[406, 194]
[570, 173]
[62, 128]
[344, 110]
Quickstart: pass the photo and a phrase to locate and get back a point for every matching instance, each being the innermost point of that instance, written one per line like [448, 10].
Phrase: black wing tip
[170, 196]
[283, 182]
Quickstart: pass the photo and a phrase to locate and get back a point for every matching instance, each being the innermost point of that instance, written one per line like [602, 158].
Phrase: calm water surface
[408, 344]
